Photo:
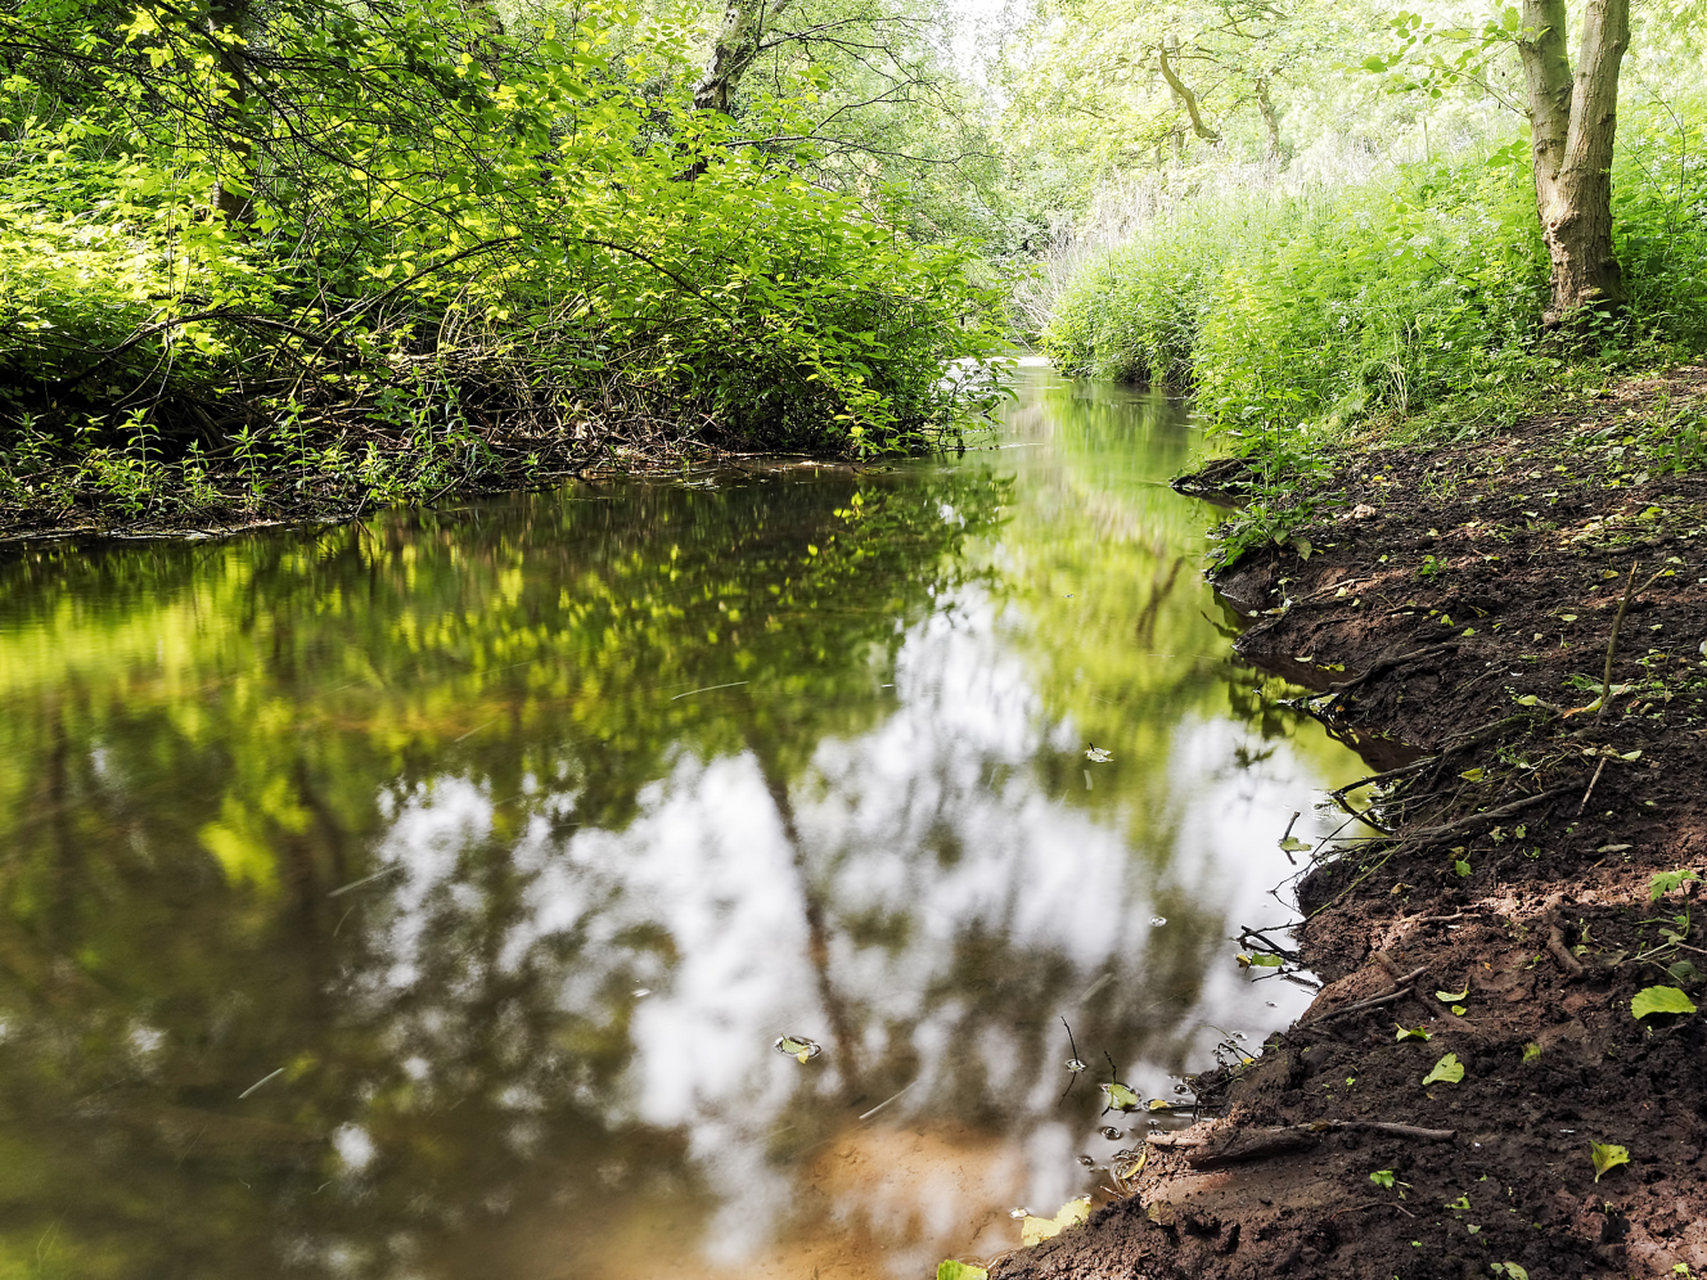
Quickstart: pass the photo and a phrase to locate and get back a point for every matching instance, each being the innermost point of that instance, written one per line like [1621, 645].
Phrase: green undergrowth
[1414, 297]
[380, 251]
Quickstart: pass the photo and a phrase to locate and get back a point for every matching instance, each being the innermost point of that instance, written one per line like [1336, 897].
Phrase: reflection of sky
[707, 861]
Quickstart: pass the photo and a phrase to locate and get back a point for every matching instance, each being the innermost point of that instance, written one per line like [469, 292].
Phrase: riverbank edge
[1448, 1104]
[236, 509]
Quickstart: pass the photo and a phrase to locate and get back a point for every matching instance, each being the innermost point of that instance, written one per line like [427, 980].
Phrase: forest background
[263, 257]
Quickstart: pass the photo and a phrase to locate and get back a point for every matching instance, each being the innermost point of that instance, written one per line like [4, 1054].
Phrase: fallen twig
[1415, 765]
[1430, 834]
[1387, 663]
[1242, 1145]
[1557, 949]
[1403, 988]
[1591, 783]
[1612, 650]
[1472, 736]
[1248, 935]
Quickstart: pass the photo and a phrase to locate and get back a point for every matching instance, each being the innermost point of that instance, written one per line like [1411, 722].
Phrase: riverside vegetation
[309, 256]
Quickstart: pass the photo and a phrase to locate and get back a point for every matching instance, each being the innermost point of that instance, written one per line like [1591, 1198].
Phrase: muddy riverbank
[1463, 599]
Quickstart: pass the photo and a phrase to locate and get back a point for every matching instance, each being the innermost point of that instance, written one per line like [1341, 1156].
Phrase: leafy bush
[403, 238]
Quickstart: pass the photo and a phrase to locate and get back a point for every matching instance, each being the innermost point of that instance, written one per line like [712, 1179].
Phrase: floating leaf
[1414, 1033]
[1606, 1157]
[1097, 755]
[1121, 1097]
[1036, 1230]
[1452, 997]
[1660, 1000]
[1265, 960]
[802, 1048]
[1292, 844]
[952, 1270]
[1448, 1070]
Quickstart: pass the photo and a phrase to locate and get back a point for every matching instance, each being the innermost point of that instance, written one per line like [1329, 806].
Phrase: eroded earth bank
[1540, 875]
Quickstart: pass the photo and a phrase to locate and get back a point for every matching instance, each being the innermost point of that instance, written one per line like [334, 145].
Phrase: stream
[425, 898]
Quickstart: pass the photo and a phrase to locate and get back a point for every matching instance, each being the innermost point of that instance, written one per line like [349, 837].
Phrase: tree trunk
[736, 50]
[228, 23]
[1572, 121]
[1183, 94]
[1270, 121]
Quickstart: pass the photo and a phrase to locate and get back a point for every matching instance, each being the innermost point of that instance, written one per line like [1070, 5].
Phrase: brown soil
[1461, 599]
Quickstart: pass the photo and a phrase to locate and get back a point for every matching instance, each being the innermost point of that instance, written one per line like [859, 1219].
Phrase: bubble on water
[1021, 1212]
[1087, 1162]
[1111, 1133]
[1158, 921]
[640, 993]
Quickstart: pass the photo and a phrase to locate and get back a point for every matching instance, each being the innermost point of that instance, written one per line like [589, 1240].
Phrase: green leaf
[1452, 997]
[1448, 1070]
[1665, 881]
[1292, 844]
[1121, 1097]
[1660, 1000]
[949, 1269]
[1474, 775]
[1414, 1033]
[1606, 1157]
[1034, 1230]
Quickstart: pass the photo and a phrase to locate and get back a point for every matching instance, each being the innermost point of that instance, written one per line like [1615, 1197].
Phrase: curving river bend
[423, 898]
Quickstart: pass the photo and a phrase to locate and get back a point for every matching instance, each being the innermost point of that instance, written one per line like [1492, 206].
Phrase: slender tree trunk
[1572, 120]
[228, 21]
[1270, 121]
[1183, 94]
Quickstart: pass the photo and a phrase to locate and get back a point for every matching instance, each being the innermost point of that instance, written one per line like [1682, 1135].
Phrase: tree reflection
[495, 847]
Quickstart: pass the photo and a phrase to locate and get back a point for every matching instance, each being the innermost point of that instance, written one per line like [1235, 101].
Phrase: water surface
[423, 898]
